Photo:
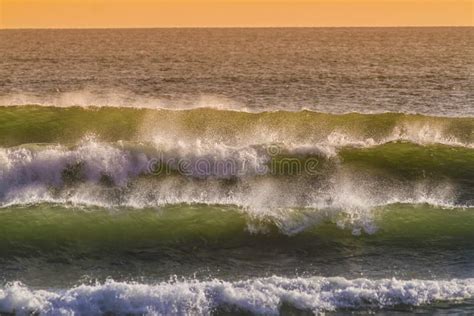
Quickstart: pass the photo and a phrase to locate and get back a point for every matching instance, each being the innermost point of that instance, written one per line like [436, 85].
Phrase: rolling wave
[84, 231]
[139, 175]
[206, 126]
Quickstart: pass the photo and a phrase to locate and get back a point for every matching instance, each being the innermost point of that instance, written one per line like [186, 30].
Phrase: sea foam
[258, 296]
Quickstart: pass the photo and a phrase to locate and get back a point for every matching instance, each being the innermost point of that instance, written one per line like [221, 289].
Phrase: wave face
[79, 228]
[207, 126]
[266, 296]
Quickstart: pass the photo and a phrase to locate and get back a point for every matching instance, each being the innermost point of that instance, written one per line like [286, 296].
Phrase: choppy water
[230, 171]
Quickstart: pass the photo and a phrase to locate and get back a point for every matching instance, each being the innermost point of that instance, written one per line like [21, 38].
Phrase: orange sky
[202, 13]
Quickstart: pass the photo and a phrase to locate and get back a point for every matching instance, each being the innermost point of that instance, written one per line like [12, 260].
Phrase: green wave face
[38, 242]
[54, 228]
[413, 162]
[410, 160]
[37, 124]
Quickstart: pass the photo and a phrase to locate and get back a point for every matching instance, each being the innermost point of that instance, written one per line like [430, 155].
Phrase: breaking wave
[267, 164]
[269, 296]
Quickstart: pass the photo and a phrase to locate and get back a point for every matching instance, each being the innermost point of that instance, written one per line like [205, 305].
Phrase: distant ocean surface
[237, 171]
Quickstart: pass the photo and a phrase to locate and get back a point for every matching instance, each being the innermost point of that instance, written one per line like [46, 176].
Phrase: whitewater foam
[22, 166]
[258, 296]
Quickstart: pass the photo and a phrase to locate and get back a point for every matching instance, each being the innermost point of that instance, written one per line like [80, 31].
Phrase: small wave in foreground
[259, 296]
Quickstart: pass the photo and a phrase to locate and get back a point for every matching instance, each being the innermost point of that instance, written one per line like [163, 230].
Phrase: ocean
[237, 171]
